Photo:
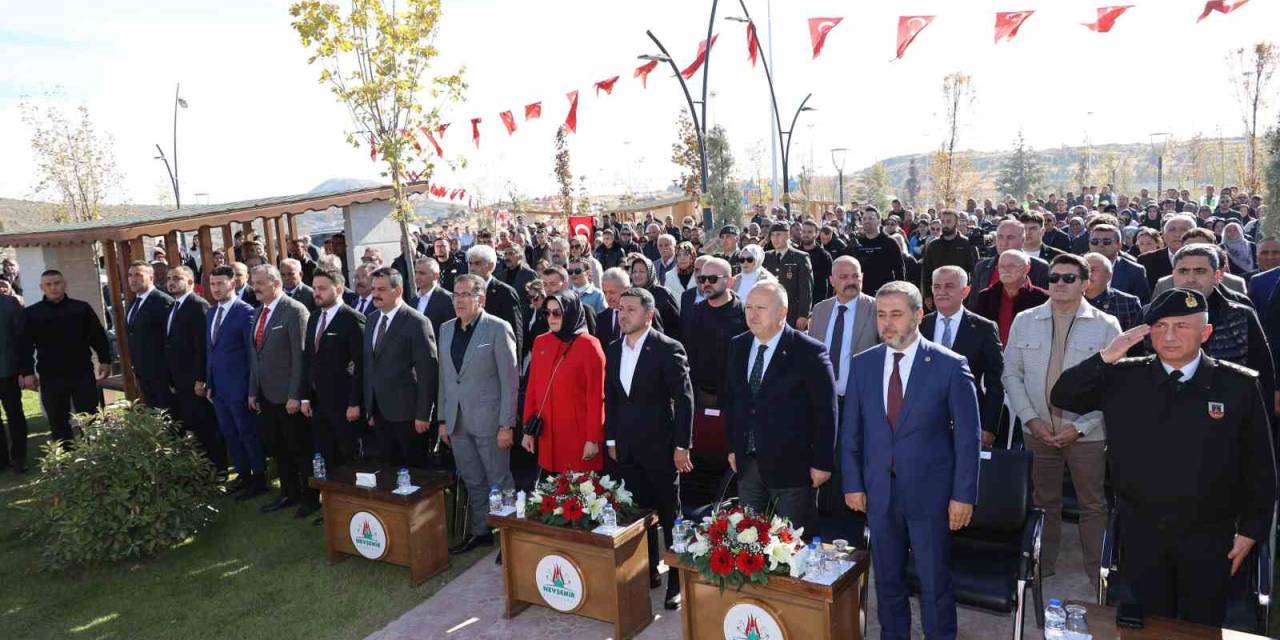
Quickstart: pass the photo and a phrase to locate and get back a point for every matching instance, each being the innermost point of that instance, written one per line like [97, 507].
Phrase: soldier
[791, 267]
[1190, 453]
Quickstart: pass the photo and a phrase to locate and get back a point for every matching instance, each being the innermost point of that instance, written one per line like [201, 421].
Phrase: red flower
[784, 535]
[548, 504]
[762, 533]
[562, 485]
[721, 562]
[572, 510]
[744, 524]
[749, 563]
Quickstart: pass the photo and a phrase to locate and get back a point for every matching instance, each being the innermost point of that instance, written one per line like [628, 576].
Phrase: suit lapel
[920, 367]
[472, 345]
[391, 325]
[778, 361]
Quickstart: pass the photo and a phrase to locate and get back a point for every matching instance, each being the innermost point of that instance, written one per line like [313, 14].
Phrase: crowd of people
[1121, 339]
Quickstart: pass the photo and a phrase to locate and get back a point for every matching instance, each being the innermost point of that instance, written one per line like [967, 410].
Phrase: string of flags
[1007, 26]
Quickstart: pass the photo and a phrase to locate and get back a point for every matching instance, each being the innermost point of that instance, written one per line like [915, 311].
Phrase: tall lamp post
[786, 152]
[707, 220]
[178, 101]
[837, 158]
[1159, 141]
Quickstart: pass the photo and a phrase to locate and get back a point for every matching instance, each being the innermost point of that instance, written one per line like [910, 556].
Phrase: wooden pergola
[122, 238]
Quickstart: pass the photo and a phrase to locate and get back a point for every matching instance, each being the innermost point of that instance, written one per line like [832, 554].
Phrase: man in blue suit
[229, 328]
[909, 449]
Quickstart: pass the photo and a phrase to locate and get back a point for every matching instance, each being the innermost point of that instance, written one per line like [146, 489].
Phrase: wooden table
[380, 525]
[799, 609]
[574, 571]
[1102, 624]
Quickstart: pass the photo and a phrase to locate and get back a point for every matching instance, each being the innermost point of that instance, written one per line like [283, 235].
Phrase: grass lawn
[250, 575]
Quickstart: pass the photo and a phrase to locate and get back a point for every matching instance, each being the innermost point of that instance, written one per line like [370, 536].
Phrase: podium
[785, 608]
[605, 577]
[374, 523]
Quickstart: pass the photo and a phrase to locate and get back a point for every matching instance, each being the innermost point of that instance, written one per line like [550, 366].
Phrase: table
[374, 523]
[605, 577]
[1102, 624]
[786, 607]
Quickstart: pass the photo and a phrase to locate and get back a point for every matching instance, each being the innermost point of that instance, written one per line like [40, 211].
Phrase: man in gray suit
[276, 345]
[478, 372]
[846, 323]
[400, 372]
[13, 337]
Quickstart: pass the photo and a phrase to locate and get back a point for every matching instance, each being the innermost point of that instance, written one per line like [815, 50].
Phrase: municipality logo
[748, 621]
[368, 536]
[559, 583]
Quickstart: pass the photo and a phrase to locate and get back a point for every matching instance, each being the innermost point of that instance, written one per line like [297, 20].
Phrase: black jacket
[306, 295]
[184, 347]
[881, 261]
[502, 301]
[146, 336]
[978, 340]
[657, 416]
[61, 335]
[439, 308]
[333, 375]
[1158, 265]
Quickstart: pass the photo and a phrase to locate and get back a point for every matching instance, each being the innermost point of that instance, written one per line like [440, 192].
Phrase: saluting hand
[1121, 344]
[1240, 548]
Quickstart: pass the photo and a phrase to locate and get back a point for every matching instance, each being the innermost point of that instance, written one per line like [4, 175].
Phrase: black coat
[184, 347]
[657, 416]
[1157, 264]
[978, 340]
[668, 311]
[333, 375]
[146, 336]
[305, 295]
[502, 301]
[439, 309]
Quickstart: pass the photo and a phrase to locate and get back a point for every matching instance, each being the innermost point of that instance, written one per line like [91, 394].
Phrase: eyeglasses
[1106, 242]
[709, 279]
[1068, 278]
[576, 272]
[475, 262]
[555, 313]
[748, 259]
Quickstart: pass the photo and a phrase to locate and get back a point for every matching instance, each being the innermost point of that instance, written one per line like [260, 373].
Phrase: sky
[259, 124]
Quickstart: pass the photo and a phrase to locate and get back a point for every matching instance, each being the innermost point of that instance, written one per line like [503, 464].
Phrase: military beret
[779, 226]
[728, 230]
[1175, 302]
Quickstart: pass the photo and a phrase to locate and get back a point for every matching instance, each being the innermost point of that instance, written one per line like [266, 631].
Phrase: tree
[73, 162]
[375, 58]
[1271, 222]
[912, 185]
[875, 186]
[723, 190]
[687, 155]
[1021, 173]
[957, 94]
[564, 176]
[584, 202]
[1251, 71]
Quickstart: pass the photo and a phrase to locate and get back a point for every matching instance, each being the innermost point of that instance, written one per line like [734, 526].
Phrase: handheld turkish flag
[753, 43]
[1221, 6]
[475, 131]
[700, 58]
[532, 110]
[582, 226]
[1106, 18]
[818, 30]
[642, 72]
[508, 121]
[1008, 23]
[571, 120]
[606, 85]
[908, 28]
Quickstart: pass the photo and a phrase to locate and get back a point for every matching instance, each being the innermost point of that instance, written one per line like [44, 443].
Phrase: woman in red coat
[573, 409]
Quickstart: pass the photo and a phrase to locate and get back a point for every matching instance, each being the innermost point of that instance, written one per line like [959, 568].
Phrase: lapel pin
[927, 359]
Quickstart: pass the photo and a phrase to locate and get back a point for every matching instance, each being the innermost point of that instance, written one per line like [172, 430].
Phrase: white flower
[748, 535]
[623, 496]
[595, 507]
[735, 518]
[587, 488]
[699, 547]
[778, 553]
[608, 483]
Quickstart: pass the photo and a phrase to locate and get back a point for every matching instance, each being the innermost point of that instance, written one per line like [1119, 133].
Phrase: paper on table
[505, 511]
[607, 531]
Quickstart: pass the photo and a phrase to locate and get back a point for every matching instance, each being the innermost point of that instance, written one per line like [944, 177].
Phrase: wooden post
[228, 243]
[172, 250]
[281, 239]
[206, 260]
[115, 263]
[293, 225]
[247, 227]
[130, 250]
[268, 240]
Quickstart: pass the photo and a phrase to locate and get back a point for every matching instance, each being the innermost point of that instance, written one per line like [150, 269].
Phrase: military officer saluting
[1191, 457]
[792, 269]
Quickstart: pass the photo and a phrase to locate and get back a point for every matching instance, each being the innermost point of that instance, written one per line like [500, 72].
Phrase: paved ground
[471, 607]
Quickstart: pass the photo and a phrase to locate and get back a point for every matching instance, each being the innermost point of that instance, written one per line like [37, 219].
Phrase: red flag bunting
[818, 30]
[508, 121]
[606, 85]
[1107, 18]
[642, 72]
[440, 130]
[432, 139]
[373, 149]
[753, 43]
[532, 110]
[475, 131]
[571, 120]
[908, 28]
[1008, 22]
[1221, 6]
[700, 58]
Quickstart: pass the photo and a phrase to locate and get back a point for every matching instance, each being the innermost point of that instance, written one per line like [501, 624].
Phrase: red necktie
[893, 406]
[262, 325]
[320, 330]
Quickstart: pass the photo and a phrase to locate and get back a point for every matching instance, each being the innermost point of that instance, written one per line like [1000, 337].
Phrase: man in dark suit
[1034, 243]
[780, 408]
[146, 318]
[184, 351]
[648, 403]
[227, 382]
[400, 373]
[1159, 263]
[513, 271]
[612, 283]
[1009, 235]
[13, 352]
[499, 298]
[291, 274]
[363, 286]
[433, 301]
[333, 371]
[972, 336]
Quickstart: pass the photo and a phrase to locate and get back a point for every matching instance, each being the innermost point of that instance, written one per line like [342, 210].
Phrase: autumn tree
[957, 94]
[564, 175]
[1251, 72]
[584, 201]
[376, 57]
[1021, 172]
[1271, 222]
[875, 186]
[722, 187]
[687, 155]
[73, 162]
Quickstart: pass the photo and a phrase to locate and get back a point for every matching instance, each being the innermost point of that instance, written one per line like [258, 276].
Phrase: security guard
[1191, 457]
[791, 267]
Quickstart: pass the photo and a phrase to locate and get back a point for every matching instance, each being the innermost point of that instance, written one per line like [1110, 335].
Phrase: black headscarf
[648, 265]
[572, 320]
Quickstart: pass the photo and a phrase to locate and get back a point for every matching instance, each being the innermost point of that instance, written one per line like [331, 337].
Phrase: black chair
[1249, 597]
[997, 557]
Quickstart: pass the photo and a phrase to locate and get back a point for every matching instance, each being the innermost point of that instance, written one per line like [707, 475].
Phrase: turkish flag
[440, 130]
[700, 58]
[818, 30]
[571, 120]
[532, 110]
[1107, 18]
[606, 85]
[753, 43]
[508, 121]
[373, 148]
[642, 72]
[1008, 22]
[583, 225]
[1221, 6]
[475, 131]
[908, 28]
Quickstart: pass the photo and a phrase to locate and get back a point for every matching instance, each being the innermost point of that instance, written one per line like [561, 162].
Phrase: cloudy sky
[260, 125]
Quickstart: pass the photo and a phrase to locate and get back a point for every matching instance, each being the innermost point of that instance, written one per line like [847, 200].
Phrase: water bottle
[521, 499]
[1055, 620]
[317, 467]
[609, 516]
[679, 535]
[813, 559]
[402, 479]
[1077, 627]
[495, 499]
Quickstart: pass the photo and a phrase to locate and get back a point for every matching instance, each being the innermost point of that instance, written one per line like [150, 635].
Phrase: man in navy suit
[909, 450]
[227, 382]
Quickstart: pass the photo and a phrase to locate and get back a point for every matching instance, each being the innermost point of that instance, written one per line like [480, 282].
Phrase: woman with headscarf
[1240, 252]
[566, 390]
[681, 278]
[644, 275]
[753, 271]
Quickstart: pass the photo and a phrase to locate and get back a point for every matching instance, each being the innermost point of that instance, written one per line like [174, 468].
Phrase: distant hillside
[17, 215]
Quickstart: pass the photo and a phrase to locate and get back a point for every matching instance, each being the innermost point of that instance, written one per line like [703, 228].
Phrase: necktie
[364, 305]
[893, 405]
[757, 369]
[837, 342]
[1175, 377]
[217, 323]
[320, 327]
[133, 308]
[168, 327]
[262, 326]
[947, 337]
[382, 332]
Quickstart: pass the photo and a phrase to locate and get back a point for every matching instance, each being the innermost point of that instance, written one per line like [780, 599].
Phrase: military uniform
[792, 269]
[1191, 465]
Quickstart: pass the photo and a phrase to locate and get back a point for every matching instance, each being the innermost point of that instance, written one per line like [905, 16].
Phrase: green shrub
[129, 489]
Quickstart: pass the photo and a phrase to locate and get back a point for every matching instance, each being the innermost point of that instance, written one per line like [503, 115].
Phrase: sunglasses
[576, 272]
[709, 279]
[555, 313]
[1106, 242]
[748, 259]
[1068, 278]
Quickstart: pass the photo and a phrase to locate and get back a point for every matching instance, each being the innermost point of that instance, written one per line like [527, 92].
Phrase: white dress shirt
[326, 317]
[940, 327]
[846, 341]
[390, 316]
[768, 354]
[904, 367]
[365, 305]
[630, 356]
[168, 325]
[226, 311]
[423, 300]
[1188, 370]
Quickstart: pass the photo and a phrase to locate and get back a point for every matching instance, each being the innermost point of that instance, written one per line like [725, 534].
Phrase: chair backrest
[1004, 491]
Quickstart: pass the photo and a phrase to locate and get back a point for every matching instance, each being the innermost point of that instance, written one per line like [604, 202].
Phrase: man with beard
[952, 249]
[819, 259]
[792, 269]
[710, 325]
[184, 351]
[879, 255]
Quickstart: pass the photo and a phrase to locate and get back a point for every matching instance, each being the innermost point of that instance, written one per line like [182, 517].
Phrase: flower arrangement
[739, 546]
[577, 499]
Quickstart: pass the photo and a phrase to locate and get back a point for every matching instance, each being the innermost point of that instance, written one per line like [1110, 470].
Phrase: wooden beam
[293, 225]
[115, 262]
[205, 238]
[281, 238]
[129, 250]
[172, 250]
[268, 240]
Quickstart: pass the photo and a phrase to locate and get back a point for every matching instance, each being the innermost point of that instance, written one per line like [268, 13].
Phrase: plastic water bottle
[520, 503]
[317, 467]
[609, 516]
[679, 536]
[1077, 626]
[813, 559]
[1055, 620]
[495, 499]
[402, 479]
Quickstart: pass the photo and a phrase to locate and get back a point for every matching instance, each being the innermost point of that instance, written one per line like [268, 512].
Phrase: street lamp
[707, 220]
[1159, 141]
[837, 158]
[786, 153]
[178, 101]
